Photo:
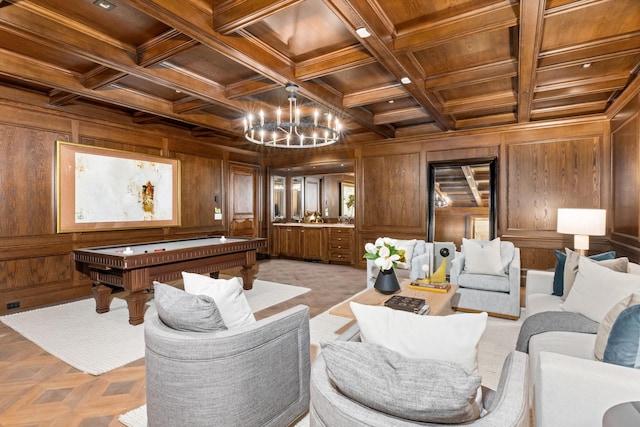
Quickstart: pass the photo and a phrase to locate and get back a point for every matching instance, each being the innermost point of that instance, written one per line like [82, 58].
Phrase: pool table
[134, 267]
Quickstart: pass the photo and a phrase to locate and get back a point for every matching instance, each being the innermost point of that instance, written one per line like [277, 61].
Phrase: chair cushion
[482, 257]
[408, 246]
[227, 294]
[623, 347]
[454, 338]
[182, 311]
[605, 326]
[597, 289]
[484, 282]
[561, 258]
[419, 390]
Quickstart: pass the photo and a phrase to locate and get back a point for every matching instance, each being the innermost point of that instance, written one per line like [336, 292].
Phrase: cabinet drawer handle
[339, 247]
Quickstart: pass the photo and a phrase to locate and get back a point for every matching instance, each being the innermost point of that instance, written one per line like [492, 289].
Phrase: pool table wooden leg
[247, 277]
[102, 295]
[136, 302]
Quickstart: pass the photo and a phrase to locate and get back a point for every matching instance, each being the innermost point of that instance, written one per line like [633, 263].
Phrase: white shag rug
[498, 340]
[97, 343]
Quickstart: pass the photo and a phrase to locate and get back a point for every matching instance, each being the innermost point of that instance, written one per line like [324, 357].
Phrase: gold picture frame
[102, 189]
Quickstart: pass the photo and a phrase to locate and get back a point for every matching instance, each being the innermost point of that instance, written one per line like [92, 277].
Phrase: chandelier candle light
[301, 131]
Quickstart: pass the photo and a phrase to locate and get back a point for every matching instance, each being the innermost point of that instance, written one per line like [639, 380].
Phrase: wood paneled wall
[625, 135]
[540, 169]
[36, 263]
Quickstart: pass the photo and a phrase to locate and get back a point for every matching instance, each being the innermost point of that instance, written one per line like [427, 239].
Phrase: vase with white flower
[385, 253]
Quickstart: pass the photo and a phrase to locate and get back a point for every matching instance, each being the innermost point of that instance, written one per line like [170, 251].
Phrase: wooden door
[242, 200]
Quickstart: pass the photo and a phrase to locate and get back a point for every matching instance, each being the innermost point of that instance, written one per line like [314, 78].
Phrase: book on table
[414, 305]
[432, 287]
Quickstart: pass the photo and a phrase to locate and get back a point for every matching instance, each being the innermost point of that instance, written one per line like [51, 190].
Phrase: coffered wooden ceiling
[201, 64]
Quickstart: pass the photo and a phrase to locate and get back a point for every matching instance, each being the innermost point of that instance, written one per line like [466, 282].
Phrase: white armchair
[419, 253]
[497, 295]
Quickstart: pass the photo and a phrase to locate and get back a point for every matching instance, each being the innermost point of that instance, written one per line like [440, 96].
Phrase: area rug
[97, 343]
[497, 342]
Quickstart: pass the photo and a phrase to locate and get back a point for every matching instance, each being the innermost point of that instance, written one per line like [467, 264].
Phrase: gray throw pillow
[422, 390]
[186, 312]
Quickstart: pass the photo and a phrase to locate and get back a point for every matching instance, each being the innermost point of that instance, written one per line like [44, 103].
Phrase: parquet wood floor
[39, 390]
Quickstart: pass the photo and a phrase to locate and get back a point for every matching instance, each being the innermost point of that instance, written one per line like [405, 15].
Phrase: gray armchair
[255, 375]
[497, 295]
[508, 406]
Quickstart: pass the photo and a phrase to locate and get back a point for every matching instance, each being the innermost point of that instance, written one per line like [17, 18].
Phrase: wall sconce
[582, 223]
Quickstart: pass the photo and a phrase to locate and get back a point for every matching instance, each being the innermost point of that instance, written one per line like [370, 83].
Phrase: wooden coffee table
[440, 302]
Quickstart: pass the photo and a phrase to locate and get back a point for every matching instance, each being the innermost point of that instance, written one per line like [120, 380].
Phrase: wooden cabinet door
[313, 246]
[290, 242]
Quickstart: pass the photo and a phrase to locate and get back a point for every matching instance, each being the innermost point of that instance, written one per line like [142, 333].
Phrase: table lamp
[582, 223]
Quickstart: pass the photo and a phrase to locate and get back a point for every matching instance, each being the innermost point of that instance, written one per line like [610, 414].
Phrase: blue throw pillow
[561, 258]
[623, 346]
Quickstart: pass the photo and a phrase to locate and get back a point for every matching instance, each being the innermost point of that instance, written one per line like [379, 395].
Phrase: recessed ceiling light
[405, 80]
[587, 65]
[104, 4]
[363, 32]
[391, 101]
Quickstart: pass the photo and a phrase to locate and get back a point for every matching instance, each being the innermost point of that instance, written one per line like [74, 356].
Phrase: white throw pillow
[571, 268]
[227, 294]
[597, 289]
[408, 246]
[482, 257]
[454, 338]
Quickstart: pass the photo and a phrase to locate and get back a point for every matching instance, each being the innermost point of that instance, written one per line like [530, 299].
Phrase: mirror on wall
[462, 200]
[297, 198]
[325, 189]
[278, 198]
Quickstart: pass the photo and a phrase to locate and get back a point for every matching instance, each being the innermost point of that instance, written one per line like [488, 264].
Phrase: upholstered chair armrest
[372, 271]
[260, 370]
[539, 282]
[514, 272]
[457, 265]
[577, 392]
[509, 405]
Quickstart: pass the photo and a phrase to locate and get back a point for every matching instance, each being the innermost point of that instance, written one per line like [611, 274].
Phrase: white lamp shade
[590, 222]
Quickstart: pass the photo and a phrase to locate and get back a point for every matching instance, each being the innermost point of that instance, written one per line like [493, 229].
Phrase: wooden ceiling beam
[373, 95]
[189, 104]
[477, 103]
[163, 47]
[60, 98]
[92, 47]
[530, 40]
[359, 13]
[476, 75]
[572, 109]
[610, 47]
[595, 84]
[233, 15]
[400, 114]
[249, 52]
[430, 34]
[484, 121]
[249, 87]
[102, 76]
[473, 185]
[19, 67]
[333, 62]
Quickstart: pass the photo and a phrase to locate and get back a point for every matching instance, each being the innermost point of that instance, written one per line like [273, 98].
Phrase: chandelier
[440, 200]
[299, 131]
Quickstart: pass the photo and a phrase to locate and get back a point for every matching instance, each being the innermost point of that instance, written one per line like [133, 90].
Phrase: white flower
[385, 260]
[371, 248]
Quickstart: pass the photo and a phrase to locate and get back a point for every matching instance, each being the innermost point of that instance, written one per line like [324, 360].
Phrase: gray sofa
[255, 375]
[508, 406]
